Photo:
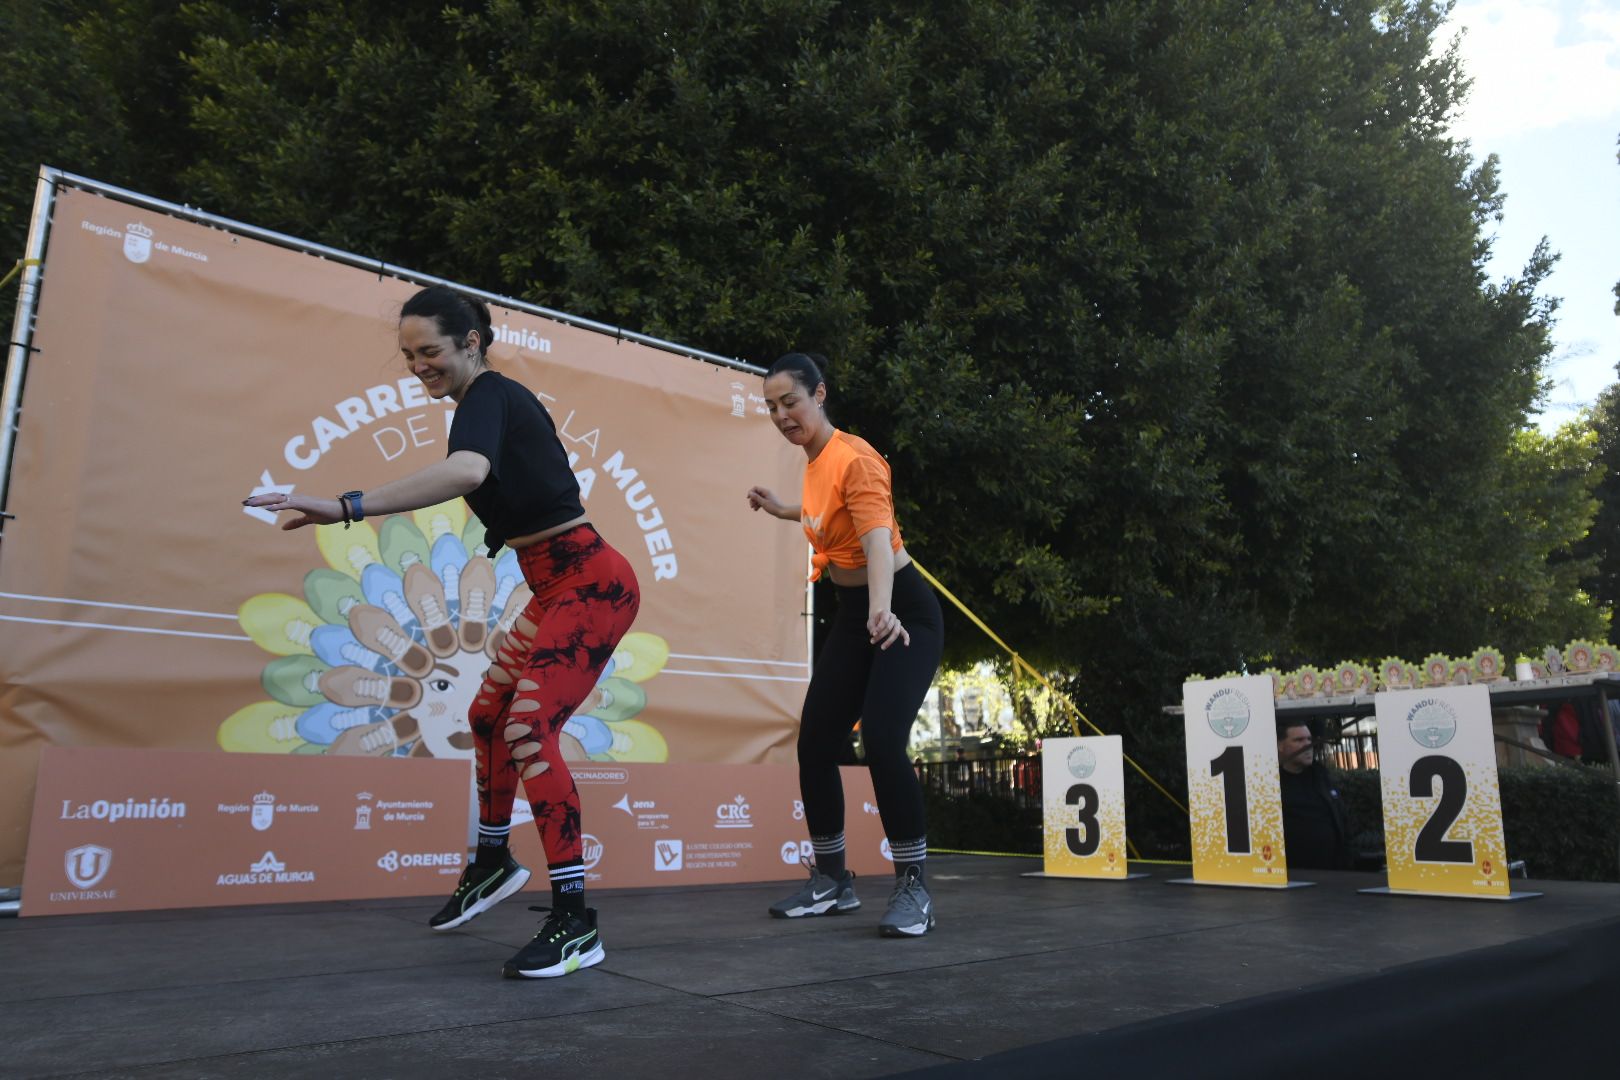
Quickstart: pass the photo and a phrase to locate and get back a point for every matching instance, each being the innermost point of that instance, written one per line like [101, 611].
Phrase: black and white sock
[909, 853]
[568, 886]
[829, 854]
[492, 841]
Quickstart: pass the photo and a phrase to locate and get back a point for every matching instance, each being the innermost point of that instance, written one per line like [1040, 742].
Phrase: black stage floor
[1023, 977]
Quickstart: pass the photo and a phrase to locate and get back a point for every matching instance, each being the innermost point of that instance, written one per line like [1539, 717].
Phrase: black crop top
[530, 486]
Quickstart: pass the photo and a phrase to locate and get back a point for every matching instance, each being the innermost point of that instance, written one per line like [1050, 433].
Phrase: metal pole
[379, 267]
[1608, 740]
[22, 328]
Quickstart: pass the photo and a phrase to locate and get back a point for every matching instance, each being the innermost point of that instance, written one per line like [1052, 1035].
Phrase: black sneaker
[567, 941]
[480, 888]
[821, 895]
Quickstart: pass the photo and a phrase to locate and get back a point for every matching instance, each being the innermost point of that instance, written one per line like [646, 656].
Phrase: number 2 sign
[1232, 793]
[1442, 806]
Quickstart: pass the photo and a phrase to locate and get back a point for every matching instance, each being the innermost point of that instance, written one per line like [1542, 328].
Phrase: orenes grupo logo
[397, 860]
[1432, 723]
[1227, 712]
[1082, 762]
[87, 864]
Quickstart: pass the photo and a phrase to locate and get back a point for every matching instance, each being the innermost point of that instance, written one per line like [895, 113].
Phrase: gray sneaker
[911, 909]
[821, 895]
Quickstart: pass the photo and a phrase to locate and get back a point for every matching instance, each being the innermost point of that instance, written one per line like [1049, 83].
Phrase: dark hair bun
[455, 315]
[809, 370]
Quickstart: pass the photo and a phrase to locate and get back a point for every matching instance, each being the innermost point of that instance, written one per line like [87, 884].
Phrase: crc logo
[794, 850]
[733, 815]
[87, 864]
[590, 850]
[264, 810]
[667, 855]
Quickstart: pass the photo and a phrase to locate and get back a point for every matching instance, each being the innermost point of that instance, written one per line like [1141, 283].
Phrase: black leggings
[883, 689]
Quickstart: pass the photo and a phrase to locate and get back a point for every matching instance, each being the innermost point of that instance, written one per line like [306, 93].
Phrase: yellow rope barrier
[1020, 664]
[17, 269]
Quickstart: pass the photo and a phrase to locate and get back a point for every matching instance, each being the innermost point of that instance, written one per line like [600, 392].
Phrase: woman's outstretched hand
[885, 628]
[311, 511]
[763, 499]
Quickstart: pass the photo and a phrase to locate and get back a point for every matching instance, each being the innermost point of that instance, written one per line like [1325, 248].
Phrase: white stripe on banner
[121, 607]
[729, 675]
[732, 659]
[241, 637]
[125, 629]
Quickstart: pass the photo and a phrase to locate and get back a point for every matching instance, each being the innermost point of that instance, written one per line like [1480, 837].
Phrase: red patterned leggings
[585, 599]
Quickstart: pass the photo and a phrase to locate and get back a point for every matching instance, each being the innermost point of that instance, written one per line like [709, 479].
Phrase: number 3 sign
[1083, 783]
[1442, 807]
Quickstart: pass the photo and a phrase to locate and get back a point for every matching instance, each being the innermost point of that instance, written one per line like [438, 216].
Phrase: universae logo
[87, 864]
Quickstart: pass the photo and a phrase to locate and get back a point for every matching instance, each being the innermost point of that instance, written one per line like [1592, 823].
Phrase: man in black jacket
[1316, 834]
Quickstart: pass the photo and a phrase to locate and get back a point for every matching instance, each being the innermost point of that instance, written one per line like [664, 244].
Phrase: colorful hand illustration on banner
[382, 655]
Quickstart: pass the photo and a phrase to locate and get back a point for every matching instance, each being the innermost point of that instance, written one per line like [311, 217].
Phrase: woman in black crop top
[506, 460]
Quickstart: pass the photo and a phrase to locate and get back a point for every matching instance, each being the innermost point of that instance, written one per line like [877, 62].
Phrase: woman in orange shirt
[878, 660]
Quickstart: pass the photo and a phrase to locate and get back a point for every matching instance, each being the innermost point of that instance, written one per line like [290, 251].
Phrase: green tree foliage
[1171, 317]
[1602, 544]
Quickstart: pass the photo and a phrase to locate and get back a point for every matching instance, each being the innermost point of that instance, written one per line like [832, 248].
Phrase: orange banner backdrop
[129, 830]
[180, 367]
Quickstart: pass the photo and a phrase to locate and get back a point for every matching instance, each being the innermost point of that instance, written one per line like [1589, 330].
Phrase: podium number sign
[1442, 806]
[1083, 797]
[1233, 797]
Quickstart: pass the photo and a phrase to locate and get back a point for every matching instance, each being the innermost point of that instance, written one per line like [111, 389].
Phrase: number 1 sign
[1442, 807]
[1233, 799]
